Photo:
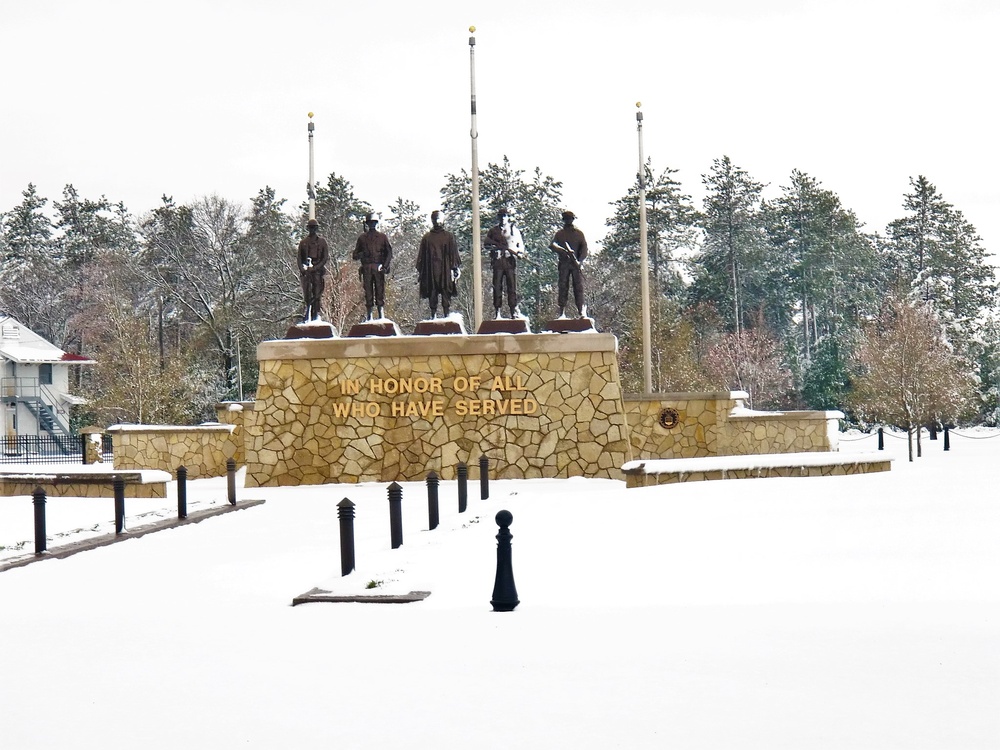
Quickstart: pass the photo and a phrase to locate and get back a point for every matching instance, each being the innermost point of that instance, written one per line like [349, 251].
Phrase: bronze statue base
[438, 326]
[571, 325]
[504, 325]
[311, 330]
[373, 328]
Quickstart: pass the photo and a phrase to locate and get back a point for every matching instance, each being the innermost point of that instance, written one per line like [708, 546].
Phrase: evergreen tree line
[782, 297]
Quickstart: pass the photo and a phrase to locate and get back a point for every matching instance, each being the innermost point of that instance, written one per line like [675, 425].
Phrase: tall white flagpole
[477, 260]
[312, 172]
[647, 362]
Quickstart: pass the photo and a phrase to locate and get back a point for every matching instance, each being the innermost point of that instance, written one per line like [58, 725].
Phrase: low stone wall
[84, 481]
[689, 425]
[234, 413]
[752, 466]
[782, 432]
[202, 449]
[395, 408]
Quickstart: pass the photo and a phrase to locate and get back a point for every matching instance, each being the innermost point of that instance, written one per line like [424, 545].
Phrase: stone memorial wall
[395, 408]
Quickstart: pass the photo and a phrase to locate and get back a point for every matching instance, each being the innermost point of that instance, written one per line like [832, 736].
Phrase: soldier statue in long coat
[437, 266]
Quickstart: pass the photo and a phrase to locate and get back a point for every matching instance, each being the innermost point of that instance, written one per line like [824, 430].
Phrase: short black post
[463, 487]
[396, 515]
[231, 479]
[504, 591]
[345, 512]
[433, 510]
[38, 498]
[484, 477]
[182, 492]
[881, 439]
[119, 486]
[933, 431]
[84, 439]
[947, 439]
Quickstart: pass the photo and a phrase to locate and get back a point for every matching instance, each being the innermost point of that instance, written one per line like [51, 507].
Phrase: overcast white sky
[133, 100]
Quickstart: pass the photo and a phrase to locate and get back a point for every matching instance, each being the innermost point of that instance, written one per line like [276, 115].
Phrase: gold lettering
[461, 407]
[420, 385]
[503, 405]
[475, 408]
[489, 407]
[341, 410]
[497, 384]
[517, 406]
[474, 383]
[373, 409]
[357, 409]
[461, 384]
[436, 385]
[397, 408]
[438, 408]
[530, 406]
[375, 385]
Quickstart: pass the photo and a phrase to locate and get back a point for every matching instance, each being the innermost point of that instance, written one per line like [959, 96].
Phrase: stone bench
[647, 473]
[84, 481]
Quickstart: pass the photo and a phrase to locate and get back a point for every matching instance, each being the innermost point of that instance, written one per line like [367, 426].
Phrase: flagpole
[477, 260]
[647, 366]
[312, 172]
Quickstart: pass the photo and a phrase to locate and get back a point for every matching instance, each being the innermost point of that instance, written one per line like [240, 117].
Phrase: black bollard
[947, 439]
[881, 439]
[433, 511]
[38, 499]
[463, 487]
[484, 477]
[231, 479]
[83, 447]
[182, 492]
[396, 515]
[119, 487]
[933, 431]
[504, 591]
[345, 512]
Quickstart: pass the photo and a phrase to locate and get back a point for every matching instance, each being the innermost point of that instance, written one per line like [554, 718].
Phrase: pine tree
[31, 284]
[731, 270]
[832, 265]
[938, 257]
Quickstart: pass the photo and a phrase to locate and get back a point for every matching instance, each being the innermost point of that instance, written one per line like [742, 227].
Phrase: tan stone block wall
[202, 450]
[545, 405]
[9, 488]
[707, 427]
[233, 413]
[788, 432]
[860, 467]
[697, 434]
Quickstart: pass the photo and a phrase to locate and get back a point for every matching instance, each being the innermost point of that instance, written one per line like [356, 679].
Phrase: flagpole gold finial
[638, 105]
[472, 29]
[310, 115]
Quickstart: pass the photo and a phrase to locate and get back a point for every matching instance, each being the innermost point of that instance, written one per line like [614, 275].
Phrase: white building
[34, 385]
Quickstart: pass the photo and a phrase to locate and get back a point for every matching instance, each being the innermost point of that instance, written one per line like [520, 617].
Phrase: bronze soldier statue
[437, 266]
[571, 247]
[313, 254]
[375, 253]
[505, 246]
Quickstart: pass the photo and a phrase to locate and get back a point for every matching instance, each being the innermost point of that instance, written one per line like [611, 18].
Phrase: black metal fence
[45, 449]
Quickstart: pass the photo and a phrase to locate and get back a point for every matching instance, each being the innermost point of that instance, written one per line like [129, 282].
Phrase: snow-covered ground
[842, 612]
